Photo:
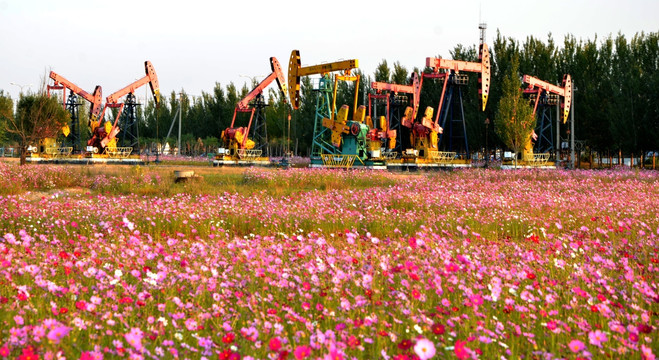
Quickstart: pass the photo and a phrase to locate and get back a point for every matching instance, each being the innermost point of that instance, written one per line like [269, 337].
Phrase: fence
[586, 159]
[600, 160]
[7, 152]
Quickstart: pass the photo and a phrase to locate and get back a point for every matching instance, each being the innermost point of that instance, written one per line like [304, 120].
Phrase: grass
[158, 180]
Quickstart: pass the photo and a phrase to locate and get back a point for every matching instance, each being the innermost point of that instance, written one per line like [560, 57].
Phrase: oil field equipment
[337, 140]
[545, 96]
[450, 114]
[402, 105]
[104, 136]
[236, 140]
[71, 132]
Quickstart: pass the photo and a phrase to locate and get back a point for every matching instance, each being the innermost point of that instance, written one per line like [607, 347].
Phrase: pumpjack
[104, 136]
[450, 114]
[237, 144]
[71, 131]
[400, 112]
[545, 96]
[338, 140]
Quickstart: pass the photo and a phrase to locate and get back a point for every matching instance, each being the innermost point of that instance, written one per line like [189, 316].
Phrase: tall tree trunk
[22, 154]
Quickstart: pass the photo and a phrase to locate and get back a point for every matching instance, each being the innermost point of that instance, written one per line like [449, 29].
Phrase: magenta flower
[576, 345]
[476, 300]
[460, 350]
[301, 352]
[597, 337]
[57, 333]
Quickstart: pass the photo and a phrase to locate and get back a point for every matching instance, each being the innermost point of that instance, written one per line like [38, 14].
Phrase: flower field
[328, 264]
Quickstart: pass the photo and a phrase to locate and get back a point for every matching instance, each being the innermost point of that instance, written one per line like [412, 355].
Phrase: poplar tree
[514, 120]
[382, 72]
[400, 76]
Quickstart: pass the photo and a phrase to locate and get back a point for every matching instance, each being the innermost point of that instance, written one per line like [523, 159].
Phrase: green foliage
[401, 75]
[6, 112]
[211, 143]
[514, 120]
[382, 72]
[37, 117]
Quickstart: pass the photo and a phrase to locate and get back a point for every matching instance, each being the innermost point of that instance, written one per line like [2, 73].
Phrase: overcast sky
[193, 44]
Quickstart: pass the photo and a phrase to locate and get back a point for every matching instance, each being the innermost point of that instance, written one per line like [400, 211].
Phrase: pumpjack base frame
[521, 164]
[411, 164]
[368, 164]
[86, 160]
[228, 161]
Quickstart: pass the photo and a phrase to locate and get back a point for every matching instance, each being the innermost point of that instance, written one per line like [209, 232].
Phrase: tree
[38, 117]
[400, 75]
[382, 72]
[211, 144]
[6, 111]
[514, 120]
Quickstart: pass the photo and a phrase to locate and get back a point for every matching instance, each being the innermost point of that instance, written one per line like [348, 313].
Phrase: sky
[193, 44]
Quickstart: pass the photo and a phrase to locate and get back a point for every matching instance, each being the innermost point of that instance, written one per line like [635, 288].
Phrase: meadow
[124, 263]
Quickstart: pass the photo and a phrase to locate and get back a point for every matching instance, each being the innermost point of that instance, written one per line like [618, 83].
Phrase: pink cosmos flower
[484, 339]
[191, 324]
[134, 338]
[647, 353]
[425, 349]
[576, 345]
[597, 337]
[57, 333]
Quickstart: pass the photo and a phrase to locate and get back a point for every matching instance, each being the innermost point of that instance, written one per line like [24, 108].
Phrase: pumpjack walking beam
[401, 123]
[452, 78]
[128, 122]
[325, 107]
[254, 104]
[70, 103]
[544, 96]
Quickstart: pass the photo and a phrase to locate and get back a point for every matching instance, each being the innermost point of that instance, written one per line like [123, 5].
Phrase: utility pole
[20, 86]
[288, 139]
[487, 149]
[572, 153]
[558, 133]
[180, 116]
